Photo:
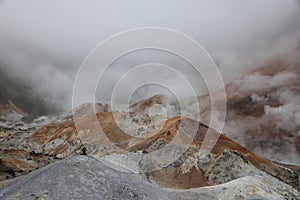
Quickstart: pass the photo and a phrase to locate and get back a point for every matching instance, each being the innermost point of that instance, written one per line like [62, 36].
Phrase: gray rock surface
[227, 167]
[82, 177]
[86, 177]
[258, 186]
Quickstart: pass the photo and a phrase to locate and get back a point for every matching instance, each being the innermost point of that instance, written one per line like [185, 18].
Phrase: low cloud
[44, 42]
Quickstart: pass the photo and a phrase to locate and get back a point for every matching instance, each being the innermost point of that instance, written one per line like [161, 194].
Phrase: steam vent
[150, 100]
[58, 158]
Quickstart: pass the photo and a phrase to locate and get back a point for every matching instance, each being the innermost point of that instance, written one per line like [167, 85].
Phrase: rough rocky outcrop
[85, 177]
[82, 177]
[143, 154]
[169, 153]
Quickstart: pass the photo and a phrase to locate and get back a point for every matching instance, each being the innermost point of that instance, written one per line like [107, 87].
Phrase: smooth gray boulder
[82, 177]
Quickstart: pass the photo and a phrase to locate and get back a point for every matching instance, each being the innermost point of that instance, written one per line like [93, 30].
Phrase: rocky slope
[163, 151]
[144, 154]
[82, 177]
[262, 109]
[264, 106]
[85, 177]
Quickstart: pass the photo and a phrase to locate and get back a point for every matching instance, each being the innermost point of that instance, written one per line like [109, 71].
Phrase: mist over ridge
[46, 51]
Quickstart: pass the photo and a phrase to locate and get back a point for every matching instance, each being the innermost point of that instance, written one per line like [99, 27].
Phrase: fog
[44, 42]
